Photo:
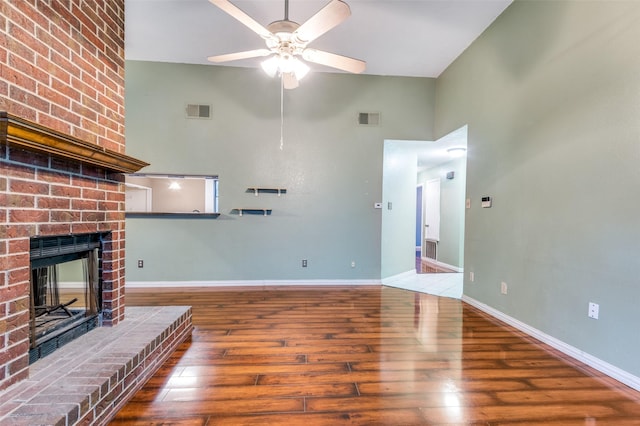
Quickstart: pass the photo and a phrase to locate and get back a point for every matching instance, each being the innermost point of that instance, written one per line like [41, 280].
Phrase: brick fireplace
[62, 149]
[62, 199]
[62, 155]
[54, 185]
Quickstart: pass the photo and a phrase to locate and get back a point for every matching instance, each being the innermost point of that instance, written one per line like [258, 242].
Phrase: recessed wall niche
[167, 194]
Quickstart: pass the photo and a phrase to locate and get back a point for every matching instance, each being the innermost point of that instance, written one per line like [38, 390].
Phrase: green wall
[330, 166]
[551, 96]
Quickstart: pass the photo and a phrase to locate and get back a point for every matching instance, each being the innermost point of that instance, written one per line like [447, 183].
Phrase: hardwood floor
[363, 356]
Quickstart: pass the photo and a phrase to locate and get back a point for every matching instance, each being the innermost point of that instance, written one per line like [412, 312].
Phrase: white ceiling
[413, 38]
[416, 38]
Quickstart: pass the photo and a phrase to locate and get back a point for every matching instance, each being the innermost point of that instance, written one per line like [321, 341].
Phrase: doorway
[443, 180]
[407, 165]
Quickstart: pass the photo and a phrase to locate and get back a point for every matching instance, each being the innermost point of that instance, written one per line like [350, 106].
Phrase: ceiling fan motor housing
[283, 26]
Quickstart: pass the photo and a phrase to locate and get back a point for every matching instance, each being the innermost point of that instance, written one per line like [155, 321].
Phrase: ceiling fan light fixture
[284, 64]
[271, 65]
[300, 69]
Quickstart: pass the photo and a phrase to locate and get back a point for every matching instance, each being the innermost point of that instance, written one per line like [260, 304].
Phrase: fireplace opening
[66, 290]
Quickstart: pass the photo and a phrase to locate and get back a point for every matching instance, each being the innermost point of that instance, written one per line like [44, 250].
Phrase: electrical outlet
[304, 263]
[353, 263]
[471, 276]
[140, 263]
[503, 287]
[594, 310]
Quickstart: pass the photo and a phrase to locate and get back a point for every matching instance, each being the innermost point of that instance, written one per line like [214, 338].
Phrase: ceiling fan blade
[326, 18]
[240, 55]
[289, 80]
[241, 16]
[332, 60]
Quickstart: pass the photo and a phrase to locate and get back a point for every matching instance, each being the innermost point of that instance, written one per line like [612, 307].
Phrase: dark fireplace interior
[66, 290]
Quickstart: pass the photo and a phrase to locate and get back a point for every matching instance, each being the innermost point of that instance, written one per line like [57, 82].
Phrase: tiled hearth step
[89, 379]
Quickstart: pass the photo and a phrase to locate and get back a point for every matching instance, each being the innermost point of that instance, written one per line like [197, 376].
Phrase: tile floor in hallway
[439, 284]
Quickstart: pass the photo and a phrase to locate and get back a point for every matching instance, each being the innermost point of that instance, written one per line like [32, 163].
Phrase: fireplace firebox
[66, 290]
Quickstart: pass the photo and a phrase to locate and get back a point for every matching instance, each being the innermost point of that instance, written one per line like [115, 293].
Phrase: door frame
[420, 217]
[427, 195]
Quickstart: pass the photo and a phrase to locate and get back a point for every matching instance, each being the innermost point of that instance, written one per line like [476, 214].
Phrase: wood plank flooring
[363, 356]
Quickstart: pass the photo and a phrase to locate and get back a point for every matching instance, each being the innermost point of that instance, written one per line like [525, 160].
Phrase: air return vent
[369, 118]
[198, 111]
[431, 249]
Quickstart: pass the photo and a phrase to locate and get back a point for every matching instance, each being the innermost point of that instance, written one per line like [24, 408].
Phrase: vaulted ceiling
[412, 38]
[417, 38]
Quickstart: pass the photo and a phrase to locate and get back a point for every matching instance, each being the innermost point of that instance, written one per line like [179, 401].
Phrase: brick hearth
[88, 380]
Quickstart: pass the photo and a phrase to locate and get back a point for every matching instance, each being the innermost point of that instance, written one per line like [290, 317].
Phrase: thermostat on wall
[486, 202]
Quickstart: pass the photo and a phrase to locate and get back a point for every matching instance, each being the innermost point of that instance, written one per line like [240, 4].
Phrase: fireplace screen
[66, 292]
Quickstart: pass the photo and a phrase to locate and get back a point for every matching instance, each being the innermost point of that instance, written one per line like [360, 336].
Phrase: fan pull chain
[281, 112]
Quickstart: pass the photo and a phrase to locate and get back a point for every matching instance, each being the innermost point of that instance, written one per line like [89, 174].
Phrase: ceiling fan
[287, 42]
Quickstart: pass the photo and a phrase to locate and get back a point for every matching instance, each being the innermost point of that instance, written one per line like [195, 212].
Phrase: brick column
[61, 66]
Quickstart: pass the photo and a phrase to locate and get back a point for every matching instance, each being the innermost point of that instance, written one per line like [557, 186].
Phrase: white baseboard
[600, 365]
[442, 264]
[247, 283]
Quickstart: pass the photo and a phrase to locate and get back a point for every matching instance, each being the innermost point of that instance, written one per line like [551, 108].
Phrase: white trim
[422, 209]
[442, 264]
[209, 195]
[600, 365]
[434, 228]
[247, 283]
[135, 185]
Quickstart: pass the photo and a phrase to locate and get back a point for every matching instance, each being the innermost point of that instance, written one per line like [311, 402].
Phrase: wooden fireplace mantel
[26, 134]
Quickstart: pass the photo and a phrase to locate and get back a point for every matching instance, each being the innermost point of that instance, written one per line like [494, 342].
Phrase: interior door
[432, 210]
[137, 198]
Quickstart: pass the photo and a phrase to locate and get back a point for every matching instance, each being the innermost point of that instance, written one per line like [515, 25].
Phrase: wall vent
[198, 111]
[431, 249]
[369, 118]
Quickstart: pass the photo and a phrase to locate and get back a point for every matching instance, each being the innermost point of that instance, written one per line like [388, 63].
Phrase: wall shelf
[262, 212]
[257, 191]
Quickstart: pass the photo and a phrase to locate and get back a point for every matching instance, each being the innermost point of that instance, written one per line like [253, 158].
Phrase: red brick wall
[62, 66]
